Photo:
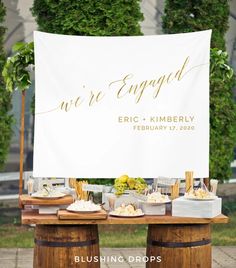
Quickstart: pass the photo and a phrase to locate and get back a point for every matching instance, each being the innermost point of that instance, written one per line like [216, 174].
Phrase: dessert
[47, 192]
[157, 197]
[200, 194]
[83, 206]
[127, 211]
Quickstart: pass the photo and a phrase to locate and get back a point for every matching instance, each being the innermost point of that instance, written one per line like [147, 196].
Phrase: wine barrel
[179, 246]
[62, 246]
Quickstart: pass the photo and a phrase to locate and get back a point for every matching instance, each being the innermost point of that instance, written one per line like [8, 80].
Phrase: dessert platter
[156, 198]
[200, 195]
[48, 193]
[82, 206]
[127, 211]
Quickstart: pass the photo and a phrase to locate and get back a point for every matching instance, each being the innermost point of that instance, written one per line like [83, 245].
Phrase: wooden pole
[175, 190]
[207, 183]
[22, 136]
[188, 181]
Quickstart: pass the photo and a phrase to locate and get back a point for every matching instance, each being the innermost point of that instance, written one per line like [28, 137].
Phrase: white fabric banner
[107, 106]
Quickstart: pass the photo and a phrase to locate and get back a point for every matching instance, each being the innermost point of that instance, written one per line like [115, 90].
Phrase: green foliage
[228, 207]
[15, 72]
[191, 15]
[99, 181]
[6, 119]
[222, 116]
[84, 17]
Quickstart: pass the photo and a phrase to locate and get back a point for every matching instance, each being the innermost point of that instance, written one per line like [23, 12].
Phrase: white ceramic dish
[83, 211]
[201, 199]
[155, 203]
[82, 206]
[122, 216]
[55, 196]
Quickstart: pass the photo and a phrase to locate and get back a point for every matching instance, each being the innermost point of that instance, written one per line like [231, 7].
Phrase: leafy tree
[192, 15]
[222, 116]
[84, 17]
[196, 15]
[6, 119]
[16, 71]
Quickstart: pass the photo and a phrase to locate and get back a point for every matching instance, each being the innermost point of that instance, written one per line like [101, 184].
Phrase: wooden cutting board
[67, 215]
[29, 200]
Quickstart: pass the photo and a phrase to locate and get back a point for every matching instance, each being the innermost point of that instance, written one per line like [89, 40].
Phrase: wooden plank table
[180, 242]
[32, 217]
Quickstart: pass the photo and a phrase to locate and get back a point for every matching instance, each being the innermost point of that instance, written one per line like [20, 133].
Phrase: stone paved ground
[23, 258]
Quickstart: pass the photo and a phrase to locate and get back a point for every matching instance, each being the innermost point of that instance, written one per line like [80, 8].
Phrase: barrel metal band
[178, 244]
[65, 244]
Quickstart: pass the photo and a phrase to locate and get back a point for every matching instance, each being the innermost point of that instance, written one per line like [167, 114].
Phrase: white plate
[84, 211]
[122, 216]
[37, 195]
[201, 199]
[155, 203]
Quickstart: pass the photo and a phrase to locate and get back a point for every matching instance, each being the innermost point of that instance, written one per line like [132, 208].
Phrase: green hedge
[222, 116]
[84, 17]
[191, 15]
[6, 118]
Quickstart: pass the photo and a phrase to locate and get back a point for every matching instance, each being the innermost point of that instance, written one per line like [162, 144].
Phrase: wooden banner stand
[22, 138]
